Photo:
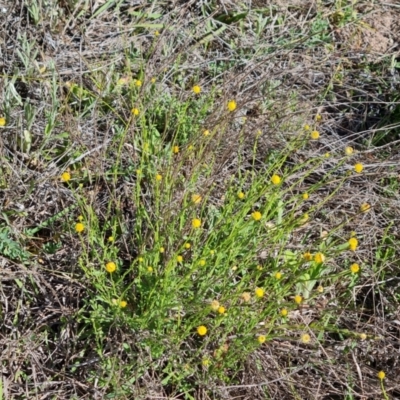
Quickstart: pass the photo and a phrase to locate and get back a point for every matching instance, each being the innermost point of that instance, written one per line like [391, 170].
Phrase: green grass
[161, 241]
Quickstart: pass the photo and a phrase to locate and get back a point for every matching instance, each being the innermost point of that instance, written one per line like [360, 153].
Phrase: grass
[198, 202]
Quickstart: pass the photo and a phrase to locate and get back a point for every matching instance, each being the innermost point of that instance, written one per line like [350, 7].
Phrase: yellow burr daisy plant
[202, 330]
[353, 243]
[259, 292]
[261, 339]
[305, 196]
[349, 150]
[158, 177]
[231, 105]
[358, 168]
[365, 207]
[196, 89]
[215, 305]
[354, 268]
[66, 176]
[381, 375]
[221, 310]
[3, 121]
[284, 312]
[305, 338]
[319, 258]
[241, 195]
[256, 215]
[79, 227]
[111, 267]
[135, 111]
[196, 198]
[276, 179]
[196, 223]
[179, 259]
[175, 149]
[202, 263]
[314, 135]
[298, 299]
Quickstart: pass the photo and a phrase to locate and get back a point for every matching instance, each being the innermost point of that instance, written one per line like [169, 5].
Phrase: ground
[199, 199]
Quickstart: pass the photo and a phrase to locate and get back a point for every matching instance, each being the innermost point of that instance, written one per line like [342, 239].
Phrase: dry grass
[309, 60]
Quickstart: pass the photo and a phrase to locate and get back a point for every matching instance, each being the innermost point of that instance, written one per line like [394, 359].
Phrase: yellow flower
[212, 252]
[196, 223]
[111, 267]
[278, 275]
[362, 336]
[188, 245]
[349, 150]
[298, 299]
[353, 243]
[259, 267]
[196, 89]
[66, 176]
[246, 296]
[221, 310]
[327, 155]
[318, 117]
[284, 312]
[179, 259]
[307, 256]
[305, 338]
[256, 215]
[358, 168]
[305, 217]
[150, 269]
[158, 177]
[305, 196]
[2, 121]
[175, 149]
[314, 135]
[320, 289]
[307, 127]
[156, 33]
[231, 105]
[206, 362]
[319, 258]
[153, 80]
[79, 227]
[381, 375]
[161, 250]
[201, 330]
[261, 339]
[140, 259]
[354, 268]
[196, 198]
[206, 132]
[259, 292]
[111, 239]
[80, 218]
[135, 111]
[365, 207]
[241, 195]
[214, 305]
[202, 263]
[123, 304]
[138, 82]
[276, 179]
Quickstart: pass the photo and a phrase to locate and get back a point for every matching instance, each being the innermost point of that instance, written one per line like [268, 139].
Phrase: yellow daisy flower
[111, 267]
[202, 330]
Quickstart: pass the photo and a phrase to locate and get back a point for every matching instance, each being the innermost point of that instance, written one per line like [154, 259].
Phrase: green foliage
[10, 248]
